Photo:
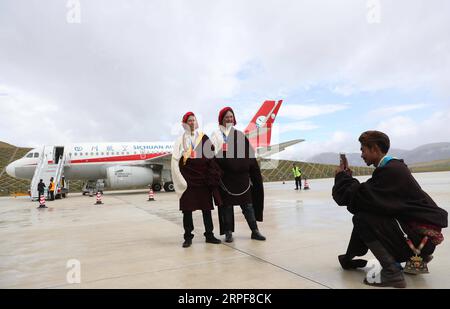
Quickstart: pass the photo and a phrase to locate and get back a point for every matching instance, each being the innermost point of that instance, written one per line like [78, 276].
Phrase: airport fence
[281, 170]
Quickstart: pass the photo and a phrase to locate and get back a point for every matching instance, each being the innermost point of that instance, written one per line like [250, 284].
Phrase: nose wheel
[156, 187]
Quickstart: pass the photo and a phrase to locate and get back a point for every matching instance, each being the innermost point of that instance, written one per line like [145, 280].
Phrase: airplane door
[59, 152]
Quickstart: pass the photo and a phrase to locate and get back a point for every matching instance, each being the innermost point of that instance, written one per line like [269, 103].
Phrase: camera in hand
[344, 162]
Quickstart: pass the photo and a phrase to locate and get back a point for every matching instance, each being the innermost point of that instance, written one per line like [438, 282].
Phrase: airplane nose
[11, 170]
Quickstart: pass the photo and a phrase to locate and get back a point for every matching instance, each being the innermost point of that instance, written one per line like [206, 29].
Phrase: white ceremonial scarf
[180, 147]
[217, 137]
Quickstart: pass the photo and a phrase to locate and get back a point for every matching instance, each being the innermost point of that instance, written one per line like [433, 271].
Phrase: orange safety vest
[52, 186]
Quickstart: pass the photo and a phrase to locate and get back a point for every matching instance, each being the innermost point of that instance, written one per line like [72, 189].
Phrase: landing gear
[156, 187]
[93, 186]
[169, 187]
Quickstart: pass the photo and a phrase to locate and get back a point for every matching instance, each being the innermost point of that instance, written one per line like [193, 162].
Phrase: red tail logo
[259, 130]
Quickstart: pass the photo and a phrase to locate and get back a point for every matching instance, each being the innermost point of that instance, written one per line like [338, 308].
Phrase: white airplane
[127, 165]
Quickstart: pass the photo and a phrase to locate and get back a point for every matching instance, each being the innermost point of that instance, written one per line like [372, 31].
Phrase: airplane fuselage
[87, 161]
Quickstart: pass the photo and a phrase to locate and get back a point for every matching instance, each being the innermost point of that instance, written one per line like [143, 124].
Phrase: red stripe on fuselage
[137, 157]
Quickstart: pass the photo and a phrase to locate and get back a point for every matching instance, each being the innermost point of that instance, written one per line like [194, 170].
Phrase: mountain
[424, 153]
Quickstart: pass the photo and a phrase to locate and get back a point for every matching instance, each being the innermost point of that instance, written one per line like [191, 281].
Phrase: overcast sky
[128, 70]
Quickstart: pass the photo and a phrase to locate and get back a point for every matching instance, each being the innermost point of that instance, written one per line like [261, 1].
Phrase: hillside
[433, 166]
[6, 145]
[425, 153]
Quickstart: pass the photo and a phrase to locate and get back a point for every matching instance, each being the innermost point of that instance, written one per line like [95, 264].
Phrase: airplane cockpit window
[30, 155]
[36, 154]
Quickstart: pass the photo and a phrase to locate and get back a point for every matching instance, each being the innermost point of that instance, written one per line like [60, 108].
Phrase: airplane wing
[161, 159]
[273, 149]
[256, 132]
[156, 159]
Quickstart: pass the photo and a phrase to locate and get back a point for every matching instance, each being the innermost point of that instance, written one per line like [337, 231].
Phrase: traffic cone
[151, 195]
[42, 202]
[99, 198]
[306, 186]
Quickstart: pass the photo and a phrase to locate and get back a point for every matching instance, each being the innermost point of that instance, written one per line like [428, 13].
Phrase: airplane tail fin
[259, 130]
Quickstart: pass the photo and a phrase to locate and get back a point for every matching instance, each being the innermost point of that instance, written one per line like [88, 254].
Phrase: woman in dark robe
[392, 215]
[196, 178]
[241, 183]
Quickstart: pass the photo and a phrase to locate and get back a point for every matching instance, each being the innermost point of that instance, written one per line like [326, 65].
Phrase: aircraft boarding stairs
[45, 171]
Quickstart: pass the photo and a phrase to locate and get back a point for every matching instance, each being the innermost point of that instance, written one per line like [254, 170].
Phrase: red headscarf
[222, 113]
[186, 116]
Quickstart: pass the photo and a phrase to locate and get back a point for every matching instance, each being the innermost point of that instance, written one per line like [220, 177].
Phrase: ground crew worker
[41, 189]
[52, 189]
[297, 176]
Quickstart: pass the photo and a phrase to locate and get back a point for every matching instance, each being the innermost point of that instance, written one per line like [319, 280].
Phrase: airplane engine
[118, 177]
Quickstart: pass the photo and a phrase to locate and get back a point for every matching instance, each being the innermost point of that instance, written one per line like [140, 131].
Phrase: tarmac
[130, 242]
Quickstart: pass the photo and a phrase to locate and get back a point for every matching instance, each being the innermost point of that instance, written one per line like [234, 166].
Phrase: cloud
[300, 112]
[339, 141]
[296, 126]
[30, 118]
[129, 70]
[396, 109]
[406, 133]
[344, 89]
[399, 126]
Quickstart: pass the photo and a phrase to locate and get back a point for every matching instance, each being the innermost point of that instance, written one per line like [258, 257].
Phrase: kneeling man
[392, 215]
